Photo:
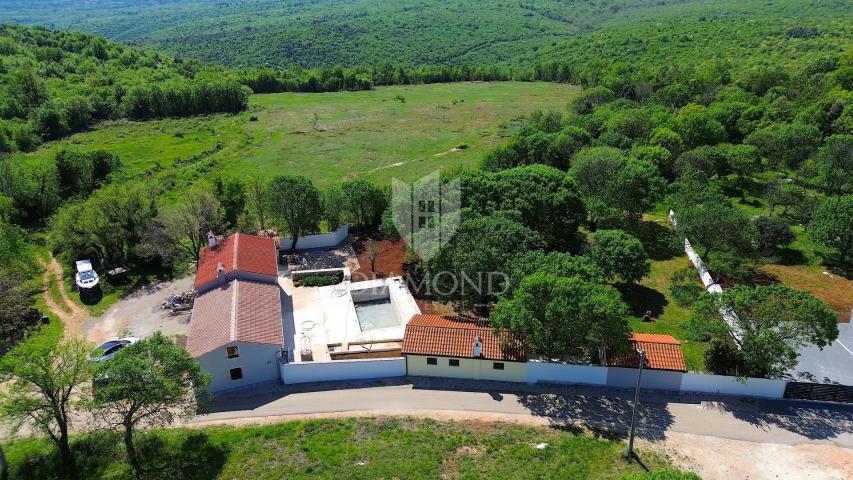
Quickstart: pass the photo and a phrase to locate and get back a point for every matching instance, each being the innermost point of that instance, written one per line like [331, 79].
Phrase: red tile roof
[237, 311]
[663, 352]
[238, 253]
[454, 337]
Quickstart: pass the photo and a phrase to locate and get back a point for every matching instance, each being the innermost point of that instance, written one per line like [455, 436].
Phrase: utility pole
[628, 454]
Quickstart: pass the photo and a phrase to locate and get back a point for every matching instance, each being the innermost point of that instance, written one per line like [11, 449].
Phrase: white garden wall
[728, 314]
[543, 372]
[754, 387]
[565, 373]
[342, 370]
[320, 240]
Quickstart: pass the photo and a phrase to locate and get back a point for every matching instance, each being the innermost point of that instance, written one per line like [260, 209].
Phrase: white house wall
[416, 365]
[259, 364]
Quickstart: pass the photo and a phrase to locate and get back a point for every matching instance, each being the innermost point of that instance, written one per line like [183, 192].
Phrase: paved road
[833, 364]
[765, 421]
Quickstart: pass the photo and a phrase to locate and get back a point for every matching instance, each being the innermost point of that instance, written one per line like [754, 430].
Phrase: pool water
[376, 314]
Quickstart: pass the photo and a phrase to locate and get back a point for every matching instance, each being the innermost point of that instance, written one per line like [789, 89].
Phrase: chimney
[211, 239]
[220, 271]
[478, 347]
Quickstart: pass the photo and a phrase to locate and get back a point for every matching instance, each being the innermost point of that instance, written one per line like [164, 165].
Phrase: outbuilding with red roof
[663, 352]
[454, 347]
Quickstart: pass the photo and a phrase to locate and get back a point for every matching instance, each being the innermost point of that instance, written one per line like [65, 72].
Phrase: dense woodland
[326, 33]
[56, 83]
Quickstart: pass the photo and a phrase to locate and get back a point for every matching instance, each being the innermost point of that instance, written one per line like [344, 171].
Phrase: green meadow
[402, 132]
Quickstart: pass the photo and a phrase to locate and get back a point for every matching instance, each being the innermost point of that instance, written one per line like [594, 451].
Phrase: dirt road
[71, 314]
[138, 314]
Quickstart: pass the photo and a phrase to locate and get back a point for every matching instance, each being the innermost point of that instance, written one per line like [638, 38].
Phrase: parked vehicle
[86, 276]
[107, 350]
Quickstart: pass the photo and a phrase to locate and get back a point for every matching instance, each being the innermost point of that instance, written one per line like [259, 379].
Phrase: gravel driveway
[139, 314]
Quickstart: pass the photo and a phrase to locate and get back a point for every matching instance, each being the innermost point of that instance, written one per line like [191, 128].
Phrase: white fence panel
[546, 372]
[753, 387]
[655, 379]
[342, 370]
[320, 240]
[565, 373]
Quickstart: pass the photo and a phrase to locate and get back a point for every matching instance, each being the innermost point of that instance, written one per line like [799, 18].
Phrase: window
[426, 206]
[232, 352]
[236, 373]
[453, 362]
[432, 361]
[498, 365]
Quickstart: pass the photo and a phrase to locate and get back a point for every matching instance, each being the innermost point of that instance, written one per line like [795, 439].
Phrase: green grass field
[401, 132]
[339, 449]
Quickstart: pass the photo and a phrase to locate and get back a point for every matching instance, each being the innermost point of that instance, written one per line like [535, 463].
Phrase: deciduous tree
[771, 324]
[564, 318]
[150, 383]
[619, 255]
[185, 225]
[832, 225]
[296, 202]
[44, 384]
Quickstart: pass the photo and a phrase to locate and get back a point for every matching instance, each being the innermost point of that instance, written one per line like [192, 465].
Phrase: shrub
[685, 286]
[387, 227]
[319, 280]
[773, 232]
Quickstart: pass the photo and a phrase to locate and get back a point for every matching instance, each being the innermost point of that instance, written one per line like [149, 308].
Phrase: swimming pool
[376, 314]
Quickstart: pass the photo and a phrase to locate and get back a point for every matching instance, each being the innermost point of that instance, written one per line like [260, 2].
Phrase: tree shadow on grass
[193, 457]
[789, 256]
[92, 454]
[660, 241]
[641, 299]
[607, 417]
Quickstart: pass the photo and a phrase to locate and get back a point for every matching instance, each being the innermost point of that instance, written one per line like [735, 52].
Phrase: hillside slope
[365, 32]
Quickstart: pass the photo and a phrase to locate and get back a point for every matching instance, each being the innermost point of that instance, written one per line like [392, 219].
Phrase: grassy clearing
[403, 132]
[804, 264]
[352, 448]
[669, 317]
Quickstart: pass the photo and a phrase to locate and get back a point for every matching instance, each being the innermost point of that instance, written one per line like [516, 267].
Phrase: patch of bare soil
[139, 314]
[384, 167]
[432, 307]
[723, 459]
[450, 466]
[835, 290]
[389, 259]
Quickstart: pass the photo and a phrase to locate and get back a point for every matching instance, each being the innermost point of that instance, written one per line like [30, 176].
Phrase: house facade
[236, 330]
[441, 346]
